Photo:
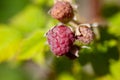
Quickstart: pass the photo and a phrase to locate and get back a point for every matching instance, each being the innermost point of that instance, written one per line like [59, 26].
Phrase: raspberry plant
[60, 38]
[22, 40]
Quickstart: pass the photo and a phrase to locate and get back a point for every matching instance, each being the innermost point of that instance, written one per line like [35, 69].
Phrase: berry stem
[75, 26]
[74, 23]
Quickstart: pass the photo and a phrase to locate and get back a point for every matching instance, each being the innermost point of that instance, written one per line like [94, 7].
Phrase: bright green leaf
[30, 19]
[115, 70]
[9, 42]
[33, 46]
[65, 76]
[114, 23]
[40, 2]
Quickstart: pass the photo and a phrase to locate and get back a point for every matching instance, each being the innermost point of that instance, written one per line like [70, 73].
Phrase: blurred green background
[25, 54]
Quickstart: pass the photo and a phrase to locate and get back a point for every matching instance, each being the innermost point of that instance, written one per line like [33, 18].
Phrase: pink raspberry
[60, 39]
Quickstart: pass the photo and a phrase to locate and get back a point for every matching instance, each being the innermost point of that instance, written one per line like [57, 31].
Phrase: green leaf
[114, 23]
[9, 42]
[40, 2]
[9, 8]
[33, 46]
[30, 19]
[115, 70]
[105, 77]
[43, 3]
[65, 76]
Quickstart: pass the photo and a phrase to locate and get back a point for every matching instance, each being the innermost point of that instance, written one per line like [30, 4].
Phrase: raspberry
[62, 11]
[60, 39]
[86, 36]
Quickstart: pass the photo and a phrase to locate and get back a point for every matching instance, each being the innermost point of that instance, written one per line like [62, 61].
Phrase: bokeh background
[25, 54]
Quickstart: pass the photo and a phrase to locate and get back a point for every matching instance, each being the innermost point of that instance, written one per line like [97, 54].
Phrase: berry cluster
[61, 38]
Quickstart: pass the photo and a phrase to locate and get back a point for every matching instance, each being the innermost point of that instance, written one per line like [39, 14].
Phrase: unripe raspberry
[60, 39]
[86, 36]
[62, 11]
